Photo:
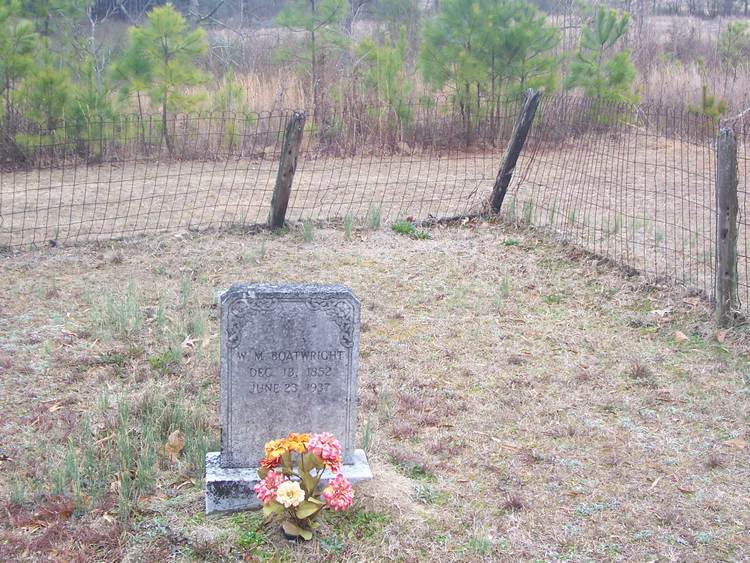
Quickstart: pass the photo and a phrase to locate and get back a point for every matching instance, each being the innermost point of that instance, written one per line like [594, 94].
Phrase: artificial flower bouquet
[291, 472]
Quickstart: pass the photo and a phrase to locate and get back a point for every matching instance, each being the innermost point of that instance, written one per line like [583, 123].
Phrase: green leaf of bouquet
[262, 472]
[307, 509]
[292, 529]
[316, 501]
[308, 482]
[272, 508]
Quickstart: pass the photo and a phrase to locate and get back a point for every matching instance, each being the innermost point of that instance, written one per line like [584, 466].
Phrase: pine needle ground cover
[518, 401]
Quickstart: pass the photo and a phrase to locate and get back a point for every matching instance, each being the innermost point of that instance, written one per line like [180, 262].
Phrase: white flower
[289, 494]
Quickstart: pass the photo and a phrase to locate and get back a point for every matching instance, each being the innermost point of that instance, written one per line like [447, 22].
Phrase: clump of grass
[428, 494]
[409, 229]
[528, 211]
[357, 523]
[714, 461]
[165, 362]
[513, 503]
[640, 371]
[118, 315]
[126, 460]
[553, 299]
[367, 434]
[308, 231]
[348, 224]
[373, 218]
[511, 242]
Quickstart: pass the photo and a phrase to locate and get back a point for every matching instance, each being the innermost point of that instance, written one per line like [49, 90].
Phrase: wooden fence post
[287, 166]
[726, 227]
[517, 139]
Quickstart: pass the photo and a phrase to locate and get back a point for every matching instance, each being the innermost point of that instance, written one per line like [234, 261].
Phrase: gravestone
[288, 364]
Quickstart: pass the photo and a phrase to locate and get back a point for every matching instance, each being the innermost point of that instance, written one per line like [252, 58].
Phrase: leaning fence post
[517, 139]
[287, 166]
[726, 226]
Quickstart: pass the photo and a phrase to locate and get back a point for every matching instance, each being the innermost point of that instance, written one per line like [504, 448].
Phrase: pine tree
[17, 44]
[47, 93]
[384, 74]
[483, 49]
[320, 21]
[160, 59]
[599, 68]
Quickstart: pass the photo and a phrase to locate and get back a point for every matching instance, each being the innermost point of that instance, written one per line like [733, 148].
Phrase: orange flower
[297, 442]
[270, 463]
[275, 449]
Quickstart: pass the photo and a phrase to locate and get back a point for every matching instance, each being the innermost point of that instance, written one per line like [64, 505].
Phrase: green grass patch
[409, 229]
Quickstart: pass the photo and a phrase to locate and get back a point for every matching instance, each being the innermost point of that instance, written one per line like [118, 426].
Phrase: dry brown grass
[500, 424]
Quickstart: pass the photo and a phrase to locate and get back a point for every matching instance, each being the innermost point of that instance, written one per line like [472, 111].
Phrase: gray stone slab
[231, 489]
[289, 358]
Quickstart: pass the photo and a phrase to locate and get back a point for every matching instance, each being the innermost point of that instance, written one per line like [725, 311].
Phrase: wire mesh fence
[632, 183]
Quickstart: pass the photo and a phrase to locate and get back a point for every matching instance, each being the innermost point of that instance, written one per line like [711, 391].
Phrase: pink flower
[327, 448]
[266, 489]
[339, 493]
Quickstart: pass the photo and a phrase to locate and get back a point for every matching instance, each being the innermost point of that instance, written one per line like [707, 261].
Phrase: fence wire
[635, 184]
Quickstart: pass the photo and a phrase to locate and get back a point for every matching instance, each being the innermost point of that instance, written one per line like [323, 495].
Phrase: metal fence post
[726, 227]
[287, 166]
[517, 140]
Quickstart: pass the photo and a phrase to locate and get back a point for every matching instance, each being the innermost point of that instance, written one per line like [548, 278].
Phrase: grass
[372, 219]
[511, 406]
[409, 229]
[308, 231]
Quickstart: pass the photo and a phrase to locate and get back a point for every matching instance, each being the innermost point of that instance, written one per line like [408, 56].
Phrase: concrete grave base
[231, 489]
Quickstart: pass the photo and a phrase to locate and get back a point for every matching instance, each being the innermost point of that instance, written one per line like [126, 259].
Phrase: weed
[714, 461]
[417, 471]
[703, 538]
[572, 217]
[368, 523]
[528, 211]
[503, 292]
[404, 228]
[373, 218]
[427, 494]
[308, 231]
[480, 546]
[348, 224]
[585, 510]
[127, 462]
[513, 503]
[249, 540]
[367, 434]
[332, 544]
[659, 235]
[639, 371]
[165, 362]
[553, 299]
[511, 242]
[118, 315]
[409, 229]
[17, 491]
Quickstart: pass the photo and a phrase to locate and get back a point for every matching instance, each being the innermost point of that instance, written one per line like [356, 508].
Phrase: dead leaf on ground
[721, 336]
[736, 443]
[174, 446]
[680, 336]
